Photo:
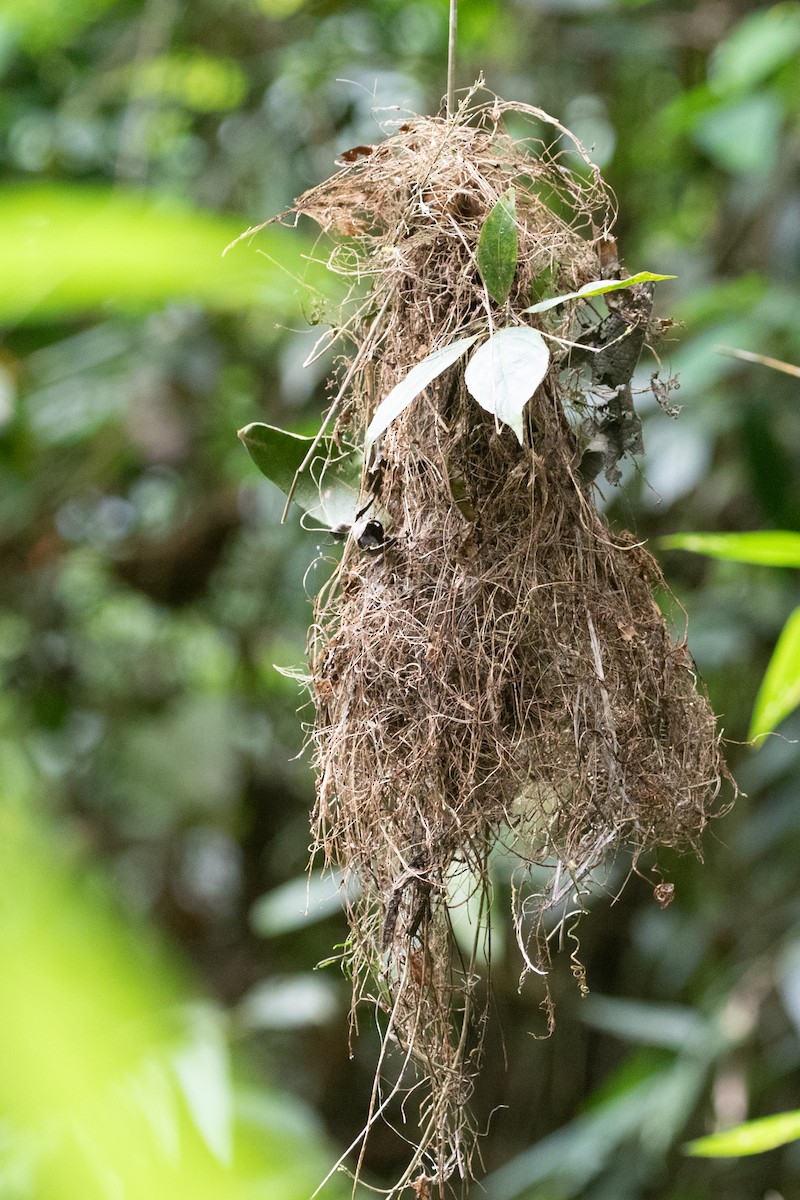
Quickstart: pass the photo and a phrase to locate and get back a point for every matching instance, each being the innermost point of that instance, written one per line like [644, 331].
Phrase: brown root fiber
[497, 672]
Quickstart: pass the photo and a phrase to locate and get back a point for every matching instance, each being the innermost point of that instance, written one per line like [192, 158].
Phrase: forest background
[163, 1031]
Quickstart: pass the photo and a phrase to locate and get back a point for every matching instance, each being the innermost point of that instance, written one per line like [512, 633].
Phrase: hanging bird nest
[489, 665]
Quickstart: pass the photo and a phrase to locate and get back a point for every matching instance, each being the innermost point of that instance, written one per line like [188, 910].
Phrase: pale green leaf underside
[779, 694]
[505, 371]
[769, 548]
[327, 491]
[598, 288]
[415, 382]
[754, 1137]
[498, 247]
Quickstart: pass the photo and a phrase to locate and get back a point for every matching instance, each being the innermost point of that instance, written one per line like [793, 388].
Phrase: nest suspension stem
[451, 57]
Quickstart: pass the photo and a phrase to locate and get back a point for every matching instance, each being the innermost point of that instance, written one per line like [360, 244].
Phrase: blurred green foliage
[147, 589]
[70, 251]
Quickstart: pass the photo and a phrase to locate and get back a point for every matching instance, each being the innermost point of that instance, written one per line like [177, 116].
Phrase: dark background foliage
[147, 589]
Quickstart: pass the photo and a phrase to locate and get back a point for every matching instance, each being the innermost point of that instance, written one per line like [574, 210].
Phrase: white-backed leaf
[415, 382]
[598, 288]
[506, 370]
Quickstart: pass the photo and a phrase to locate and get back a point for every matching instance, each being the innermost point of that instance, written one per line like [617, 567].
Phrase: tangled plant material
[495, 674]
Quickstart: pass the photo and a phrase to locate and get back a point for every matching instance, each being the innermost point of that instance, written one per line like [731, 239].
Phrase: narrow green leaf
[498, 247]
[505, 371]
[327, 490]
[415, 382]
[598, 288]
[779, 694]
[753, 1137]
[771, 547]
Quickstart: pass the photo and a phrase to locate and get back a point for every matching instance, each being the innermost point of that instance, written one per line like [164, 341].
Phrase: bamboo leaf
[327, 491]
[769, 547]
[498, 247]
[415, 382]
[598, 288]
[505, 371]
[779, 694]
[753, 1137]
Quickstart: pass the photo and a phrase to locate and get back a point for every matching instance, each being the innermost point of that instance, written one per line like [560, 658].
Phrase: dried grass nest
[495, 672]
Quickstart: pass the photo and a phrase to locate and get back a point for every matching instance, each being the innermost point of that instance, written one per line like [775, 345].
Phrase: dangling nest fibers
[497, 671]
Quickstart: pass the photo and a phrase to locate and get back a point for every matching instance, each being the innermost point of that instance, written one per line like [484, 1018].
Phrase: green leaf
[505, 371]
[771, 548]
[498, 247]
[755, 49]
[299, 902]
[327, 491]
[779, 694]
[68, 250]
[42, 25]
[743, 137]
[598, 288]
[203, 1071]
[415, 382]
[753, 1137]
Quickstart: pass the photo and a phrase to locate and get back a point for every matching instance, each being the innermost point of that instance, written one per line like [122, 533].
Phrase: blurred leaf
[753, 1137]
[755, 48]
[70, 250]
[202, 1066]
[497, 247]
[417, 379]
[288, 1003]
[742, 137]
[764, 360]
[300, 902]
[779, 693]
[505, 371]
[598, 288]
[721, 301]
[668, 1025]
[328, 489]
[646, 1112]
[202, 82]
[771, 548]
[48, 24]
[92, 1053]
[277, 9]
